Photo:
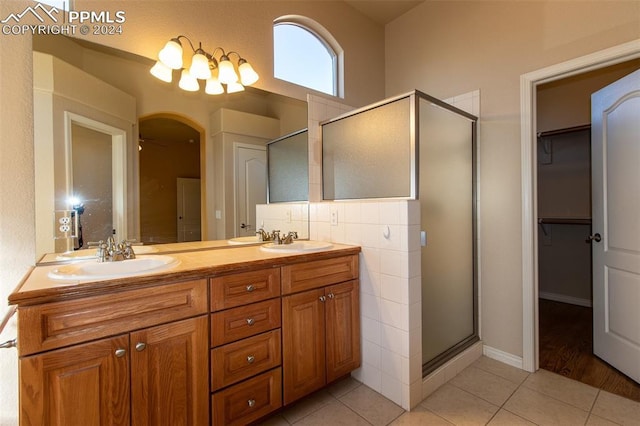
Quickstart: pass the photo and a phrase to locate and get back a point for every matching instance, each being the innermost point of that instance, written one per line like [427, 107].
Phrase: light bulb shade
[200, 67]
[162, 72]
[171, 54]
[226, 73]
[248, 76]
[213, 87]
[188, 82]
[234, 87]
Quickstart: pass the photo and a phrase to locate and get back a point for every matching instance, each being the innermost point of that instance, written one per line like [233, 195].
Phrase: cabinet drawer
[53, 325]
[239, 289]
[319, 273]
[244, 321]
[236, 361]
[249, 400]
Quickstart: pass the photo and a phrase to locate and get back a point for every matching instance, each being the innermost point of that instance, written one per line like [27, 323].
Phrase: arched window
[306, 54]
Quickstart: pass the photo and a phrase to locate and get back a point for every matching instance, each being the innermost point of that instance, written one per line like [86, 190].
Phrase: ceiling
[383, 11]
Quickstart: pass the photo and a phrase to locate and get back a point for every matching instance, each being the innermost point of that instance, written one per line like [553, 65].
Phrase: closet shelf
[564, 220]
[564, 131]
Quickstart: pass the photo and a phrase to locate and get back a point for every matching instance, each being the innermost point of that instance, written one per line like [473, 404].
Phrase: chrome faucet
[262, 236]
[288, 239]
[111, 252]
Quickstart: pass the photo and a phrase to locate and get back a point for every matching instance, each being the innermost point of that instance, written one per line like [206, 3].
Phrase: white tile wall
[285, 217]
[390, 290]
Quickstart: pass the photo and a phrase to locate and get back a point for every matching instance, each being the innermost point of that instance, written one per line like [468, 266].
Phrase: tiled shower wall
[390, 307]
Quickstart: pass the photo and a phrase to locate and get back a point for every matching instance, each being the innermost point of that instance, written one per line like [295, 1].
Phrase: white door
[251, 186]
[615, 151]
[188, 209]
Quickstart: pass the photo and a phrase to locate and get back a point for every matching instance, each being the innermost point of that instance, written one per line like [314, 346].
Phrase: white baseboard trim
[504, 357]
[564, 299]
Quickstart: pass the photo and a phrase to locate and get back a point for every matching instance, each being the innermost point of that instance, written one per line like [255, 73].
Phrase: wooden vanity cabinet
[320, 325]
[149, 375]
[246, 374]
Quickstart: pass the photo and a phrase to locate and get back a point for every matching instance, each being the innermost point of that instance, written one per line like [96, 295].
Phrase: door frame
[236, 146]
[528, 85]
[118, 166]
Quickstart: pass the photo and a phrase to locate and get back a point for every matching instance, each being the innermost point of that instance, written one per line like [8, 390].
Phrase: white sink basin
[94, 270]
[91, 253]
[252, 239]
[296, 247]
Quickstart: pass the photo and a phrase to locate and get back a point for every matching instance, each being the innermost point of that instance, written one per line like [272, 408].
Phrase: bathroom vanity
[222, 337]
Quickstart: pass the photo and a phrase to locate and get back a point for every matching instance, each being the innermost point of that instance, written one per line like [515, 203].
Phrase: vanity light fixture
[220, 74]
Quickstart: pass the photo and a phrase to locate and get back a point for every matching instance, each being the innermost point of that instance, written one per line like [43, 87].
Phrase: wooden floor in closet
[566, 348]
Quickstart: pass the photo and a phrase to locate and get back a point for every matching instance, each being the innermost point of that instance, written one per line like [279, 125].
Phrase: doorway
[169, 149]
[540, 233]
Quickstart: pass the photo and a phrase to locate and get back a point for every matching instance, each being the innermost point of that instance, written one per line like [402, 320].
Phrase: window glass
[302, 57]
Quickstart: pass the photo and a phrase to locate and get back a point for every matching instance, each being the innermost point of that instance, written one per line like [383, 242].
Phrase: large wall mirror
[177, 152]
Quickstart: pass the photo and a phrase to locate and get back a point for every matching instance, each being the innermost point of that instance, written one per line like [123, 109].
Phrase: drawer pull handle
[250, 321]
[250, 359]
[323, 298]
[140, 346]
[120, 353]
[250, 288]
[251, 403]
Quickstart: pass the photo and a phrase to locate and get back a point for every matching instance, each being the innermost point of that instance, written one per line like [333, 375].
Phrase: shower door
[446, 145]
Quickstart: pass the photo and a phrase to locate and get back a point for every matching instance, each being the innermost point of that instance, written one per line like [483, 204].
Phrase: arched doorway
[170, 175]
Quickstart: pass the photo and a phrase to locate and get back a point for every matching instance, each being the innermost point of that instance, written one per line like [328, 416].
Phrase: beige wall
[448, 48]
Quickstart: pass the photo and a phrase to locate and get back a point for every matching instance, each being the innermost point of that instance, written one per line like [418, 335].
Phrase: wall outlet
[65, 224]
[334, 216]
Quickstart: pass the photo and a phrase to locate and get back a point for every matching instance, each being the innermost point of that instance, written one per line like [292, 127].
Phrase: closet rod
[563, 221]
[563, 131]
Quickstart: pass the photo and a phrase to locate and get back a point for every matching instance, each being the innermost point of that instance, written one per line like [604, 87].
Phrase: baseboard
[565, 299]
[504, 357]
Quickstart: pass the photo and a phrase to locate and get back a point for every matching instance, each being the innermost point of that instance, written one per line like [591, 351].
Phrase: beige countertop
[197, 260]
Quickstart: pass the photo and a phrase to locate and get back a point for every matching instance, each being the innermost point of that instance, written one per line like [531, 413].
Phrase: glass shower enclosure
[415, 146]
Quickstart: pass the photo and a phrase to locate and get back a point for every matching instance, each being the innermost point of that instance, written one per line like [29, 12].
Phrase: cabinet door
[169, 380]
[343, 329]
[303, 350]
[86, 384]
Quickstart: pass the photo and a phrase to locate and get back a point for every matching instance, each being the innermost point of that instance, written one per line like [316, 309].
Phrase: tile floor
[486, 393]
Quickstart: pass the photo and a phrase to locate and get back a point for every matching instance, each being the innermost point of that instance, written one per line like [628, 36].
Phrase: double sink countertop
[196, 260]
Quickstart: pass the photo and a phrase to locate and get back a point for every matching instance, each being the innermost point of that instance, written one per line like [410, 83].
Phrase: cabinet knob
[251, 403]
[120, 352]
[250, 288]
[323, 298]
[330, 295]
[250, 359]
[140, 346]
[250, 321]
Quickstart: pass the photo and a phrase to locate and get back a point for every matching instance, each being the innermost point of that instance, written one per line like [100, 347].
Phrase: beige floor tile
[307, 405]
[485, 385]
[503, 370]
[420, 416]
[335, 414]
[342, 387]
[544, 410]
[375, 408]
[599, 421]
[559, 387]
[617, 409]
[505, 418]
[459, 407]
